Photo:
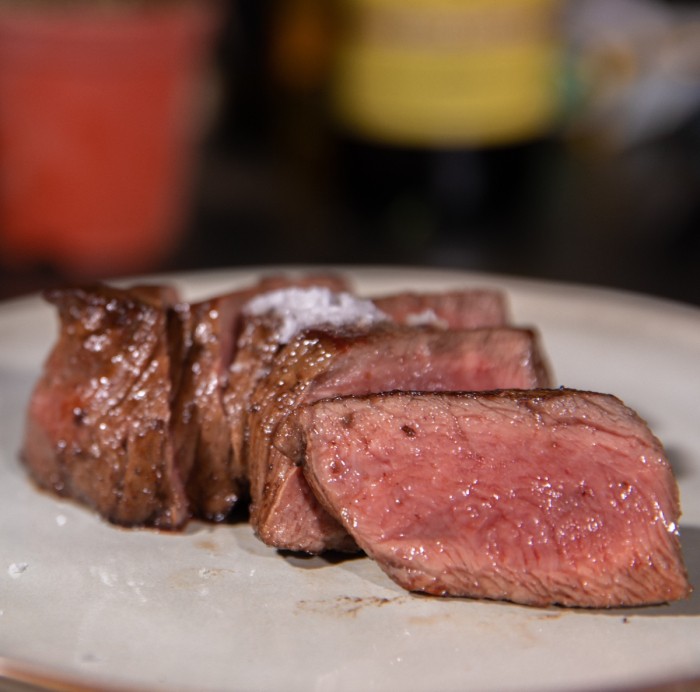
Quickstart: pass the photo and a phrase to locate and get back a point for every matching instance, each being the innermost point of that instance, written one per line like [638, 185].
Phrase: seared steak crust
[214, 478]
[129, 415]
[320, 364]
[433, 448]
[98, 428]
[537, 497]
[249, 355]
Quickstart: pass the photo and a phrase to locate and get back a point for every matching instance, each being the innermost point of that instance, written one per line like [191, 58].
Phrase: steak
[98, 425]
[320, 364]
[214, 481]
[466, 309]
[275, 313]
[537, 497]
[267, 321]
[210, 396]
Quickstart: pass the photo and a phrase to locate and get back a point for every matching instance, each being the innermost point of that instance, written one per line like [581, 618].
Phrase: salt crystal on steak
[303, 308]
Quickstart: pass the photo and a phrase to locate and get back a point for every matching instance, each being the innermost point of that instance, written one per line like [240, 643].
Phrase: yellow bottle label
[448, 72]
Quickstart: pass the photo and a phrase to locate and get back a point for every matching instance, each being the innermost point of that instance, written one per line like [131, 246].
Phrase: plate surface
[88, 604]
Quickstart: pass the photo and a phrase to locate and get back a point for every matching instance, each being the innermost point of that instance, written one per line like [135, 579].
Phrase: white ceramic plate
[86, 604]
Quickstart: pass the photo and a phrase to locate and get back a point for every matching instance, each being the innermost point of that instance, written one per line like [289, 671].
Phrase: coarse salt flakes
[426, 318]
[304, 308]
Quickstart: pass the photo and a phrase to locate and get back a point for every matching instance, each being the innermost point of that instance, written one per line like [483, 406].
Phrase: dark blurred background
[528, 137]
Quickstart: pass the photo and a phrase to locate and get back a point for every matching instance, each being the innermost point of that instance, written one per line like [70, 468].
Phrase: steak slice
[465, 309]
[98, 424]
[213, 480]
[206, 410]
[537, 497]
[321, 364]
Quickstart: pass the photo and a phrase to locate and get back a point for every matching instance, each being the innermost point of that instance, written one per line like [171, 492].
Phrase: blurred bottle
[443, 107]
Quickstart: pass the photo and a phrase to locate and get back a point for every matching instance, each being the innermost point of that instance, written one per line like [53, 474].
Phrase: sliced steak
[98, 425]
[207, 409]
[321, 364]
[256, 340]
[213, 479]
[465, 309]
[537, 497]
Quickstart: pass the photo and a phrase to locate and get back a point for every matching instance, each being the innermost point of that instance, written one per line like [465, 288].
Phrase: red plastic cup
[100, 121]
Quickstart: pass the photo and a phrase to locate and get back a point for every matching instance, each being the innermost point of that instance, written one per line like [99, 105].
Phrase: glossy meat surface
[320, 364]
[214, 478]
[251, 346]
[129, 415]
[98, 425]
[537, 497]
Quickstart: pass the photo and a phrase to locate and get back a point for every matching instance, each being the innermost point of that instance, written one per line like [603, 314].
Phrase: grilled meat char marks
[320, 364]
[98, 428]
[537, 497]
